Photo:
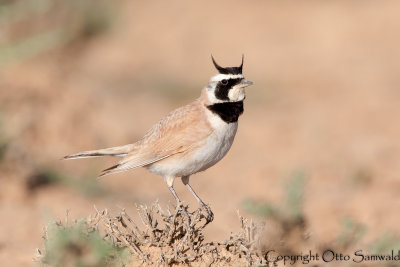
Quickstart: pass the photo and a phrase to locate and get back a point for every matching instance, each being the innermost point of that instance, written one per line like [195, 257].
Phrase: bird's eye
[224, 82]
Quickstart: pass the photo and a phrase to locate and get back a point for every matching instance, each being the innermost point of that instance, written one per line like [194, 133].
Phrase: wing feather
[180, 131]
[124, 166]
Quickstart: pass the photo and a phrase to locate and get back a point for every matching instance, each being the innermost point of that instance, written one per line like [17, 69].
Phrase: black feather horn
[228, 70]
[241, 65]
[218, 67]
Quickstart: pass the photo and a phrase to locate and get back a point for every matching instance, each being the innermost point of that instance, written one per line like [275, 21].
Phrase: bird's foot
[210, 215]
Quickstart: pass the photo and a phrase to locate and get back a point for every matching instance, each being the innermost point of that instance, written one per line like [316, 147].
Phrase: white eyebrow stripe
[220, 77]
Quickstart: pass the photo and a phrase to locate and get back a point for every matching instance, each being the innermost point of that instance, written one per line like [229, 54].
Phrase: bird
[190, 139]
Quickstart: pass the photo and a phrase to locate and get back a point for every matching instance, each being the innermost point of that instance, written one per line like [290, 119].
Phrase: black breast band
[227, 111]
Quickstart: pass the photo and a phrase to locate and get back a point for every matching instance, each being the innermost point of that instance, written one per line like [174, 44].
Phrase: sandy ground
[325, 102]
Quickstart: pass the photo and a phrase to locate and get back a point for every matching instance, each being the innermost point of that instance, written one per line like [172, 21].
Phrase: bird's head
[228, 85]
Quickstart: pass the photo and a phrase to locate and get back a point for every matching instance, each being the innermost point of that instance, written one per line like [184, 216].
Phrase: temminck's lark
[191, 138]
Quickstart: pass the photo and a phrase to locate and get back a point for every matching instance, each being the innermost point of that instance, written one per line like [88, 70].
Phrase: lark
[191, 138]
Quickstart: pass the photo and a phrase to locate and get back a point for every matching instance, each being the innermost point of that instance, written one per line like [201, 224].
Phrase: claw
[210, 215]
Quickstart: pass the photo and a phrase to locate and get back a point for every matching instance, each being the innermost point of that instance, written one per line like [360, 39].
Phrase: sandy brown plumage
[191, 138]
[181, 131]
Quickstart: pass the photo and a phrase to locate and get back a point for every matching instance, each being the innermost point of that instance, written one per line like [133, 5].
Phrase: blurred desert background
[319, 139]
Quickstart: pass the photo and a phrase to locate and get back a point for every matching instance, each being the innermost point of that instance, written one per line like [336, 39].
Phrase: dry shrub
[167, 237]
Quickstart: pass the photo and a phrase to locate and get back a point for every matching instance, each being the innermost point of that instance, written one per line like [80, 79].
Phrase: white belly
[214, 149]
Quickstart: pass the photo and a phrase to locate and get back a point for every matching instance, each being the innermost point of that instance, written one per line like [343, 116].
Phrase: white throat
[236, 93]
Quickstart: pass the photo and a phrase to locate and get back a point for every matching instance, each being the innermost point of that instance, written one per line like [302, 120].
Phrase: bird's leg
[170, 183]
[171, 188]
[210, 214]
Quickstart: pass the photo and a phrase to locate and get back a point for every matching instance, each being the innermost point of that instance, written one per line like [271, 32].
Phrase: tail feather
[119, 151]
[109, 170]
[132, 162]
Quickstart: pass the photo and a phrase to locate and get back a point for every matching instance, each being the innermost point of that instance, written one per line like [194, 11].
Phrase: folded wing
[182, 130]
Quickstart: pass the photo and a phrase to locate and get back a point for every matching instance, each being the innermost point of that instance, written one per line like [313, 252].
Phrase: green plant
[49, 24]
[3, 142]
[385, 243]
[294, 196]
[80, 245]
[351, 233]
[44, 176]
[292, 208]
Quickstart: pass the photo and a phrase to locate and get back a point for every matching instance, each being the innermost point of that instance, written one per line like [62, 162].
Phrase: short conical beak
[245, 83]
